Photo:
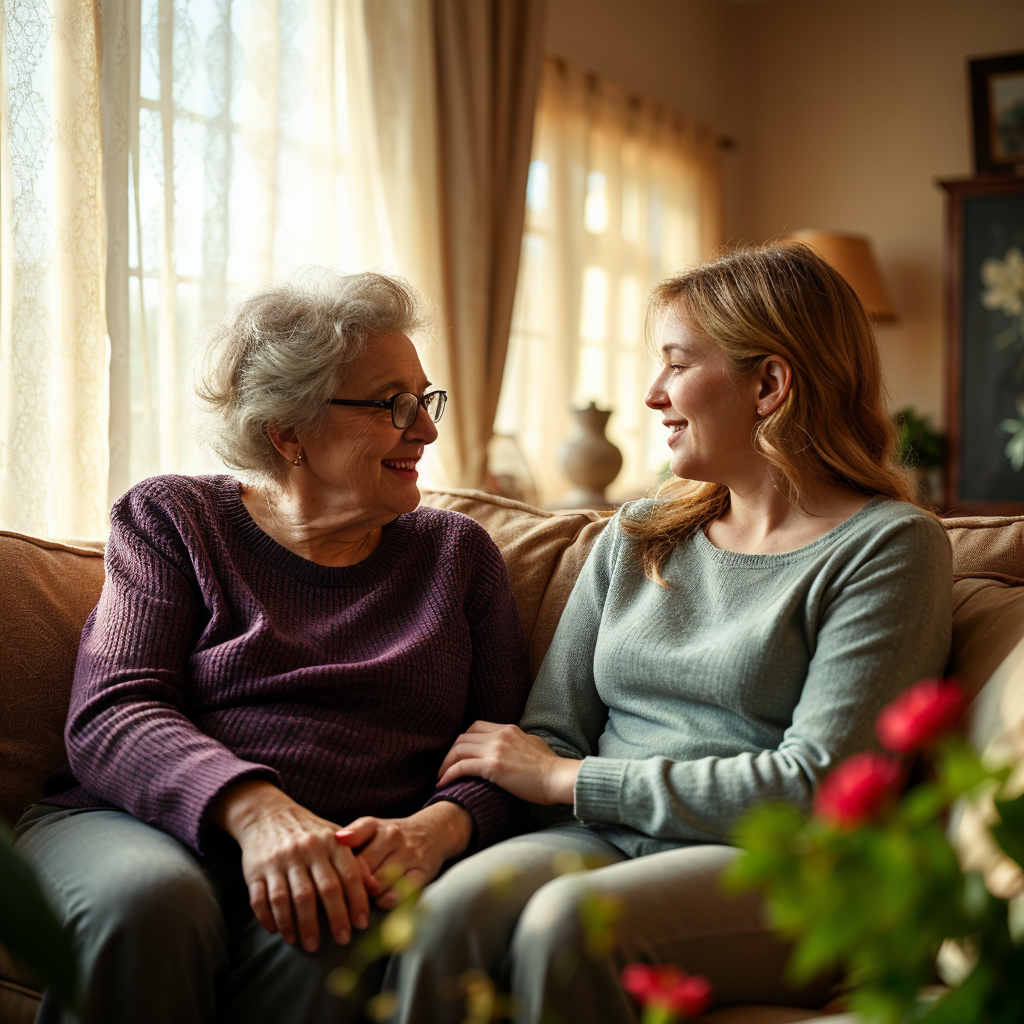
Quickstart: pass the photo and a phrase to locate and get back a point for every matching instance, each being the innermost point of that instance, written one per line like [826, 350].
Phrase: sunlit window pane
[594, 311]
[592, 376]
[538, 186]
[595, 209]
[149, 71]
[630, 310]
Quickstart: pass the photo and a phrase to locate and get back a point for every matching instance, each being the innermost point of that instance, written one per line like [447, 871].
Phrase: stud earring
[298, 460]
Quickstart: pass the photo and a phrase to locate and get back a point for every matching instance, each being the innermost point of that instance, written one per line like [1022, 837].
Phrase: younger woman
[728, 642]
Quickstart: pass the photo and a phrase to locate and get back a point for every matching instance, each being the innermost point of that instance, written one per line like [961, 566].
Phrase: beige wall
[846, 111]
[850, 111]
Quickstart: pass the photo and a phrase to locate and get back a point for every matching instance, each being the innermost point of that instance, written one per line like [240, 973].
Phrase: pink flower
[920, 714]
[686, 995]
[857, 789]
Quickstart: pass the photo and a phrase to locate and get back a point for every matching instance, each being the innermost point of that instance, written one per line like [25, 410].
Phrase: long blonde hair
[781, 299]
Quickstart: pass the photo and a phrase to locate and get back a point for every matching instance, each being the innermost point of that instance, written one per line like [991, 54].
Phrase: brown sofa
[47, 588]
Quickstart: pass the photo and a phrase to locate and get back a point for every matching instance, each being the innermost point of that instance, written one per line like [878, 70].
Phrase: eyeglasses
[404, 406]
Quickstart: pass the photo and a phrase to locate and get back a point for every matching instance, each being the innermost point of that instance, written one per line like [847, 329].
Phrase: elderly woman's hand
[290, 856]
[505, 755]
[412, 848]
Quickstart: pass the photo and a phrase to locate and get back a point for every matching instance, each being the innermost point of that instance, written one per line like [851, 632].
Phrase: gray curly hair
[280, 354]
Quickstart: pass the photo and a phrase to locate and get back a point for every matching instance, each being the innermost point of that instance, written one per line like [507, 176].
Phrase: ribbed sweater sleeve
[129, 738]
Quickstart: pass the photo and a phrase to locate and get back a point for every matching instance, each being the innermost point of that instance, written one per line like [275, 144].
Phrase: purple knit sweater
[215, 655]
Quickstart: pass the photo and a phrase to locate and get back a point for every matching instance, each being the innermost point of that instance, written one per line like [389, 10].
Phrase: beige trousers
[554, 940]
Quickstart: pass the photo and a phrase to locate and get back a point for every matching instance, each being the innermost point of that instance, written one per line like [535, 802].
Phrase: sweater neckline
[372, 569]
[781, 557]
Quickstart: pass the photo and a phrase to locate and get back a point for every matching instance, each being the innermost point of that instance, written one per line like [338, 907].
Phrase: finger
[359, 833]
[373, 887]
[332, 895]
[304, 901]
[351, 876]
[465, 746]
[469, 766]
[415, 878]
[384, 844]
[260, 905]
[482, 726]
[280, 901]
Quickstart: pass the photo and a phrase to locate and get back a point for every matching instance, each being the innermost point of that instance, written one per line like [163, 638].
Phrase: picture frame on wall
[997, 106]
[985, 346]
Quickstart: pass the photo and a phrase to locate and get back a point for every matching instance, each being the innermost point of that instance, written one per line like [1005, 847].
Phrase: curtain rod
[726, 143]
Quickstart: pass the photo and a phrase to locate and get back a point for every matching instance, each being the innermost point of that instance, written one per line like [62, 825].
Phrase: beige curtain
[53, 444]
[487, 58]
[622, 191]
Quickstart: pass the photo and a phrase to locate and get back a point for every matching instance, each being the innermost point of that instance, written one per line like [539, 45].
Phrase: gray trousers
[543, 936]
[162, 939]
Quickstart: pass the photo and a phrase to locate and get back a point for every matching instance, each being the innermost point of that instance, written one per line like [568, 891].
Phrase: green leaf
[965, 1002]
[1009, 830]
[922, 804]
[1006, 337]
[28, 928]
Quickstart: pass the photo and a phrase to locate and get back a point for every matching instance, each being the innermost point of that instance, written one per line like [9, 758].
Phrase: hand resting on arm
[522, 764]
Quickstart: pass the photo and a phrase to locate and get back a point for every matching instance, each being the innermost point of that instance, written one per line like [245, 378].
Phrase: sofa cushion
[988, 623]
[47, 590]
[544, 552]
[988, 546]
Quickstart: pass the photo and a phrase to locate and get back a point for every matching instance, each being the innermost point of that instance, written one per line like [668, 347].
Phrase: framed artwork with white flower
[997, 110]
[985, 350]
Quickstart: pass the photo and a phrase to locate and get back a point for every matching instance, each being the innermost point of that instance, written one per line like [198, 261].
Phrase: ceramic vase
[589, 459]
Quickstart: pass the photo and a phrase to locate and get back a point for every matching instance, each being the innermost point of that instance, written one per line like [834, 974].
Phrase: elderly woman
[272, 677]
[727, 642]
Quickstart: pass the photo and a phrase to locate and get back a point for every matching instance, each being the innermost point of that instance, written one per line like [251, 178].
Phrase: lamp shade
[851, 255]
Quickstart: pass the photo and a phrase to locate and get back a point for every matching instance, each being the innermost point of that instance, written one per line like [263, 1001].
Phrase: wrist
[561, 781]
[238, 806]
[452, 824]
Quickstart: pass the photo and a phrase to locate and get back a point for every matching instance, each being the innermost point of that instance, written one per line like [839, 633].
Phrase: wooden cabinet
[985, 345]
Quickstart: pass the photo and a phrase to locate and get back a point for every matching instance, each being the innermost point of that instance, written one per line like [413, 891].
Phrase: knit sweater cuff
[189, 824]
[496, 814]
[598, 785]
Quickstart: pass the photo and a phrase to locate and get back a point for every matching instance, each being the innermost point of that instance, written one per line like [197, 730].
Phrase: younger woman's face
[708, 409]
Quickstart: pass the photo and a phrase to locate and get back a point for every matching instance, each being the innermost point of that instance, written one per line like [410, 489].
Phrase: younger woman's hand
[413, 848]
[505, 755]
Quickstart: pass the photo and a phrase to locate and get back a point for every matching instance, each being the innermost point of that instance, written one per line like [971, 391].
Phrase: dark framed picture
[985, 346]
[997, 105]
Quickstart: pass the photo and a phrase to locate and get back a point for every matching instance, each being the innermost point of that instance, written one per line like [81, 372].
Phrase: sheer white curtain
[251, 151]
[239, 140]
[53, 444]
[621, 192]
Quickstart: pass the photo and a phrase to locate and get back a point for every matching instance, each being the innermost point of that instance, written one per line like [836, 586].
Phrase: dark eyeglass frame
[389, 403]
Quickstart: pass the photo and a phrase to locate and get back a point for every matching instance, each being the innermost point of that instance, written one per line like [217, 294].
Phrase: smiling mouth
[404, 467]
[675, 432]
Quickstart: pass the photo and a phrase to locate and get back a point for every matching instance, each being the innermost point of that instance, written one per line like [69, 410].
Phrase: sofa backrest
[47, 589]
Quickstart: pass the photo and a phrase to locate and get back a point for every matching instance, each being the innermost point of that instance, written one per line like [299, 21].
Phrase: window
[621, 192]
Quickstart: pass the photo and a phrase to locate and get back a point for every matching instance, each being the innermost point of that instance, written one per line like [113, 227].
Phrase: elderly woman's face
[360, 458]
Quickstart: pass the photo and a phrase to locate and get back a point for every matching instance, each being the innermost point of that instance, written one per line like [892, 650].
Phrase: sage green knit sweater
[747, 681]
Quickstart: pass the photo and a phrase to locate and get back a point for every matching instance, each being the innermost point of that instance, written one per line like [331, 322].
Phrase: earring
[298, 460]
[760, 411]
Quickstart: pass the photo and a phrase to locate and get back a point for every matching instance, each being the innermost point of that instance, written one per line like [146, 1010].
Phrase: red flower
[857, 789]
[919, 714]
[686, 995]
